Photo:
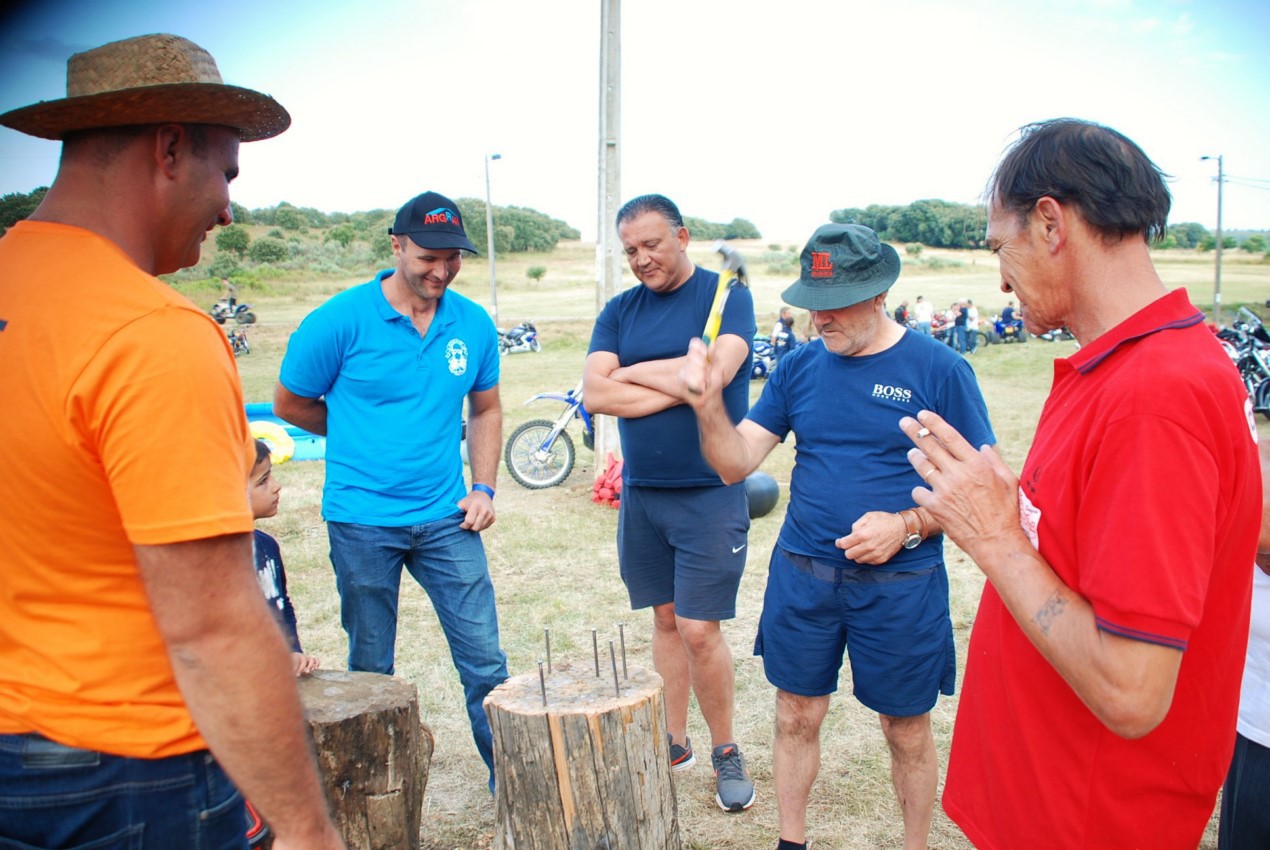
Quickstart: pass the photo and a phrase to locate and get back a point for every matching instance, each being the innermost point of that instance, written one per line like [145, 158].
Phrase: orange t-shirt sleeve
[170, 433]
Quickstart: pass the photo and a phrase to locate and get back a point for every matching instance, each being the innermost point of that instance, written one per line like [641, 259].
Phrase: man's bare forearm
[1128, 684]
[621, 398]
[234, 671]
[659, 375]
[484, 442]
[306, 413]
[727, 452]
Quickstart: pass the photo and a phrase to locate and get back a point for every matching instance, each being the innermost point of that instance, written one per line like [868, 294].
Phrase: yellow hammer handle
[716, 309]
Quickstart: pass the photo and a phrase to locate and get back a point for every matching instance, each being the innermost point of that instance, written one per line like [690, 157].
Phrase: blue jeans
[449, 564]
[959, 338]
[1245, 814]
[57, 796]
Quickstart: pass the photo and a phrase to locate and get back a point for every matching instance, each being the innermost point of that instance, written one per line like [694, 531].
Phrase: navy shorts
[894, 626]
[684, 545]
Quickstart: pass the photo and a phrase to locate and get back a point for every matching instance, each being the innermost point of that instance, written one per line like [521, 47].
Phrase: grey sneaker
[735, 788]
[681, 758]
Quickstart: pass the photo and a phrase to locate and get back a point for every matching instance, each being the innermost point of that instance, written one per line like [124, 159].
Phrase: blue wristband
[484, 488]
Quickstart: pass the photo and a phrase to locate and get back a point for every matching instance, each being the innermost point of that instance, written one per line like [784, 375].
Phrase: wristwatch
[912, 539]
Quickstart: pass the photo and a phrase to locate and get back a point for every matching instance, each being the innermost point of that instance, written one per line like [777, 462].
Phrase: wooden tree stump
[373, 755]
[589, 770]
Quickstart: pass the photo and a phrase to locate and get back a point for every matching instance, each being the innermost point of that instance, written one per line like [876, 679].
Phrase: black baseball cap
[432, 220]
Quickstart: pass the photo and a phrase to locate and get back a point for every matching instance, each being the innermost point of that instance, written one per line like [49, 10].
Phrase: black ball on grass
[762, 492]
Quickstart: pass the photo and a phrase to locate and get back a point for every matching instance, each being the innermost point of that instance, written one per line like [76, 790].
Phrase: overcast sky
[778, 112]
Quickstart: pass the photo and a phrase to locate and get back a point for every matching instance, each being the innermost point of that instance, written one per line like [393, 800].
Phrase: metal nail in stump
[547, 634]
[617, 689]
[542, 683]
[621, 633]
[595, 646]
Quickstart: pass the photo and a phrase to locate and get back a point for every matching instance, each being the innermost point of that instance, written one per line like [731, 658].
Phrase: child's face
[263, 490]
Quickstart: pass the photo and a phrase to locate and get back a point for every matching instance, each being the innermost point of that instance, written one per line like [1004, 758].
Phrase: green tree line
[945, 224]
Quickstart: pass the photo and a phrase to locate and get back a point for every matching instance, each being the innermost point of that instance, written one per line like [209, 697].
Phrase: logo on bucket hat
[842, 265]
[432, 221]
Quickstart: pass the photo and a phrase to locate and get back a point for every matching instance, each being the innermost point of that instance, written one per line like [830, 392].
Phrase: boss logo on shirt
[892, 393]
[456, 356]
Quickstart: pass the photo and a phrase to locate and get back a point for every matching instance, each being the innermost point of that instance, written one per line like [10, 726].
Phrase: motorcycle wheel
[527, 467]
[220, 319]
[983, 340]
[535, 345]
[247, 318]
[503, 347]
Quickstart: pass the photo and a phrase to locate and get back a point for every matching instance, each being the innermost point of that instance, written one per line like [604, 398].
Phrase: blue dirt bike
[540, 452]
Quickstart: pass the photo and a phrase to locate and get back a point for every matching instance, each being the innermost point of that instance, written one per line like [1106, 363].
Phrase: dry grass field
[553, 558]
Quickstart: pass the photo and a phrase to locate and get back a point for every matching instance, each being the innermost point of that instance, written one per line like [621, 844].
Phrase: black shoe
[681, 758]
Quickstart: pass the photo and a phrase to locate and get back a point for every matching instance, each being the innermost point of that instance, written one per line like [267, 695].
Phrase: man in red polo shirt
[1103, 675]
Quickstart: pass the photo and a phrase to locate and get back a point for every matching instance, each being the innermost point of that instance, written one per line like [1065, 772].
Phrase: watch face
[912, 541]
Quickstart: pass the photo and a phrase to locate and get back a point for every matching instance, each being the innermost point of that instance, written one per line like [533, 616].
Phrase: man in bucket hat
[383, 370]
[857, 567]
[133, 636]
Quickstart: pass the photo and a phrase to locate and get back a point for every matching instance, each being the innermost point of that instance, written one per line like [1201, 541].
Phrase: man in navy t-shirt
[681, 534]
[857, 567]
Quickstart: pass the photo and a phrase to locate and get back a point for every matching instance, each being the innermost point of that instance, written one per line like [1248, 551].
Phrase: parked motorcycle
[238, 339]
[523, 337]
[1247, 341]
[540, 452]
[763, 360]
[240, 313]
[1057, 334]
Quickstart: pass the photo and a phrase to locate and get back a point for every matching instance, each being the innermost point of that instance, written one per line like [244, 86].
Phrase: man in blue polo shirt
[383, 370]
[857, 566]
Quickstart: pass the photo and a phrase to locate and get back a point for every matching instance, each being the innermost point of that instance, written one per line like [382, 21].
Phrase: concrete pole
[608, 256]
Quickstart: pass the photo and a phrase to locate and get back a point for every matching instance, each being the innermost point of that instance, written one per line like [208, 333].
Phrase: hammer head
[732, 260]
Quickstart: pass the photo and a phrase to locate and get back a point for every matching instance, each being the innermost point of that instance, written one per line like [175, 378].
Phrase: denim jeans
[959, 339]
[57, 796]
[1245, 813]
[449, 564]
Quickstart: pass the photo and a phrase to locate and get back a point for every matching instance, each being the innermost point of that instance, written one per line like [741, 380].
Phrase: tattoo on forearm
[1050, 611]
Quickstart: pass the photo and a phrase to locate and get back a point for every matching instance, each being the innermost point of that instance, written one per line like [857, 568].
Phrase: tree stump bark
[373, 755]
[589, 770]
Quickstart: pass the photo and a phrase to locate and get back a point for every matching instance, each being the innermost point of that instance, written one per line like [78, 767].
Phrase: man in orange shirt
[137, 655]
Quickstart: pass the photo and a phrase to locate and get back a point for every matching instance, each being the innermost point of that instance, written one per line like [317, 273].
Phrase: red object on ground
[607, 489]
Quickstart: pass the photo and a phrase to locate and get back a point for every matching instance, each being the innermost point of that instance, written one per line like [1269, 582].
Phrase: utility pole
[608, 259]
[489, 239]
[1217, 282]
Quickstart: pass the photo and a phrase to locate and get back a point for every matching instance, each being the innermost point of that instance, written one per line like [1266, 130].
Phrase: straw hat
[150, 79]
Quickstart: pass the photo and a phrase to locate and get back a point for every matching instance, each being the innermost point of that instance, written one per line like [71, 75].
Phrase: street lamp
[489, 237]
[1217, 283]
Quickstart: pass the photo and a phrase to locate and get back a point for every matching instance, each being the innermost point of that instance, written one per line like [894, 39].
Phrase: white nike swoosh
[736, 549]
